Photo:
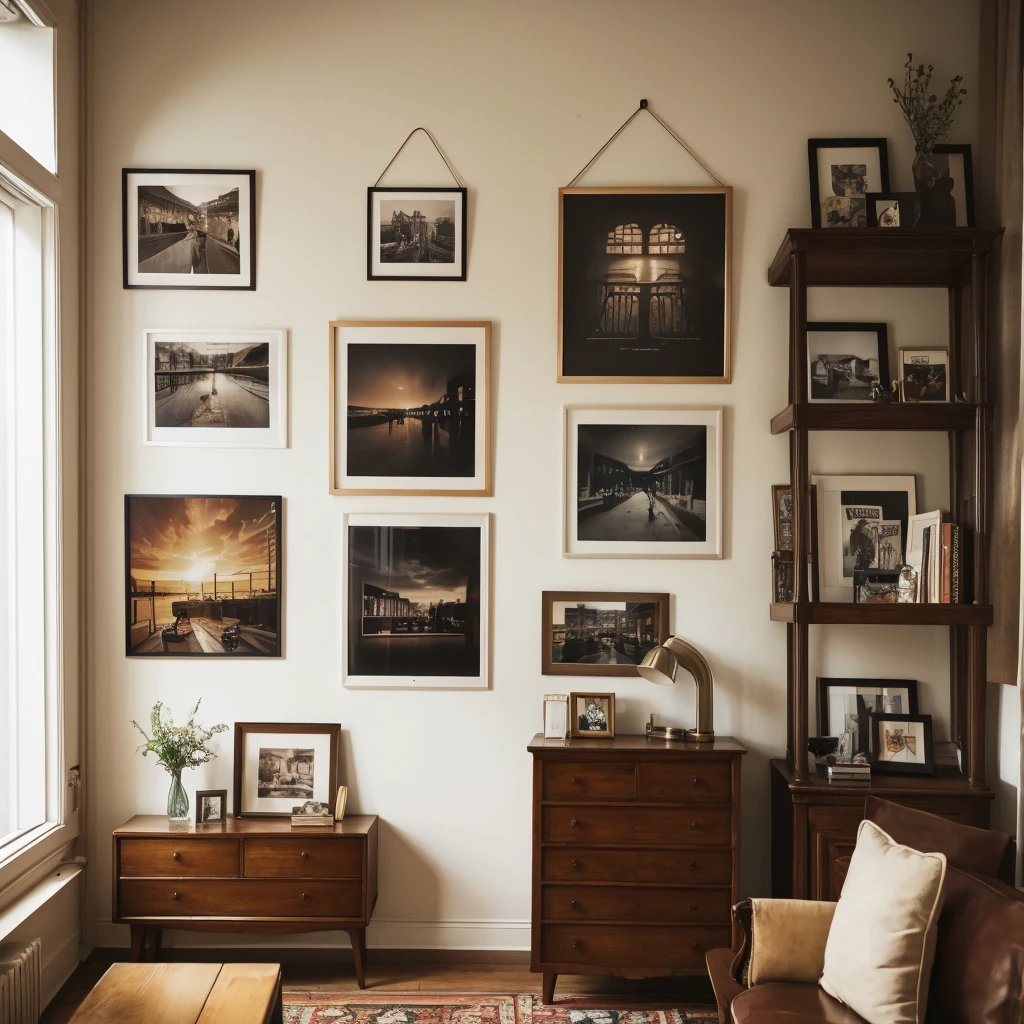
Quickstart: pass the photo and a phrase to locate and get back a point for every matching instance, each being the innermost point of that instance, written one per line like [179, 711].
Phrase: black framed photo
[188, 228]
[893, 209]
[901, 744]
[592, 715]
[953, 161]
[415, 234]
[202, 575]
[842, 173]
[844, 705]
[845, 359]
[643, 285]
[211, 806]
[782, 516]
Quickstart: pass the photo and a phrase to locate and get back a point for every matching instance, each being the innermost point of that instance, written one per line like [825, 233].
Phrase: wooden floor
[324, 976]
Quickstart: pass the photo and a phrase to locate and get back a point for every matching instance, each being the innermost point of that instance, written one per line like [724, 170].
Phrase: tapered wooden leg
[138, 941]
[358, 937]
[155, 941]
[548, 987]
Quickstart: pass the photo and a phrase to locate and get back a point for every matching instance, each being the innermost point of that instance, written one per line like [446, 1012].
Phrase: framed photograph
[410, 407]
[844, 360]
[844, 706]
[211, 806]
[876, 586]
[415, 234]
[953, 161]
[782, 516]
[924, 555]
[416, 601]
[893, 209]
[592, 715]
[901, 744]
[556, 716]
[281, 764]
[862, 524]
[202, 575]
[188, 229]
[644, 285]
[643, 483]
[782, 577]
[924, 374]
[843, 172]
[215, 388]
[594, 633]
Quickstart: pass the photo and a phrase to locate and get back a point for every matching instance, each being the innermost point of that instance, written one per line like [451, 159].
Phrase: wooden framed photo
[188, 228]
[643, 483]
[202, 575]
[211, 806]
[842, 173]
[782, 577]
[924, 374]
[598, 633]
[782, 516]
[644, 285]
[215, 388]
[410, 407]
[416, 602]
[281, 764]
[592, 715]
[893, 209]
[953, 161]
[845, 359]
[415, 234]
[901, 744]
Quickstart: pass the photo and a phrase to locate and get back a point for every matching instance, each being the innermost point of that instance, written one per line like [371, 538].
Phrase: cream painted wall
[317, 96]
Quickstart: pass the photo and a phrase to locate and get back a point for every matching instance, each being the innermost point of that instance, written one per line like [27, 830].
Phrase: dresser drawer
[583, 780]
[303, 857]
[619, 946]
[179, 857]
[637, 826]
[692, 782]
[261, 898]
[615, 903]
[580, 864]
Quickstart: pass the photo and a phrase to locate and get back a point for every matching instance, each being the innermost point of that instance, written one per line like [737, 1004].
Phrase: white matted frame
[618, 415]
[273, 436]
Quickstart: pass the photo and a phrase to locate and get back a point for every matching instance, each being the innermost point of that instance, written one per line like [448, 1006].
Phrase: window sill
[18, 912]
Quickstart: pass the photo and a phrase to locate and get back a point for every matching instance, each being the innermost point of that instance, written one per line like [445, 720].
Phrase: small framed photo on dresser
[592, 715]
[901, 744]
[211, 806]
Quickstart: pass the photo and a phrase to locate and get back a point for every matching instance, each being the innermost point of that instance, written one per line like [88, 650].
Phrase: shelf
[876, 416]
[945, 780]
[883, 257]
[834, 613]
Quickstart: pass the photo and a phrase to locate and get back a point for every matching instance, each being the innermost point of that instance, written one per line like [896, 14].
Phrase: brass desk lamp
[660, 666]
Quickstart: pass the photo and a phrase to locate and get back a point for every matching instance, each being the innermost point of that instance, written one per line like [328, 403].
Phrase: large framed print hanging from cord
[643, 285]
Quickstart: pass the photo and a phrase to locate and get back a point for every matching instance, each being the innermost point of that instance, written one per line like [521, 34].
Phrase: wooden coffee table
[185, 994]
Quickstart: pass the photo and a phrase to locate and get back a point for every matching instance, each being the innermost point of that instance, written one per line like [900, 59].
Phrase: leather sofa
[978, 973]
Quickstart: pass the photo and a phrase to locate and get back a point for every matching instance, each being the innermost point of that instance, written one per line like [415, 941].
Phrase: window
[666, 238]
[625, 239]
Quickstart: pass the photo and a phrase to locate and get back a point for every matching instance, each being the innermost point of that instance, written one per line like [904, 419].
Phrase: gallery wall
[317, 97]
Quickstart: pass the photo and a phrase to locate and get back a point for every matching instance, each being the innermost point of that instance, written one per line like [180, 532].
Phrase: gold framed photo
[924, 374]
[592, 715]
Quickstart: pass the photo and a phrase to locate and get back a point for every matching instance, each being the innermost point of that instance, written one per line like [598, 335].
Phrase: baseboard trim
[321, 955]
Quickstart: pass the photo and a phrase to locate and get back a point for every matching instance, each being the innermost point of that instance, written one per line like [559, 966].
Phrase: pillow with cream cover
[881, 944]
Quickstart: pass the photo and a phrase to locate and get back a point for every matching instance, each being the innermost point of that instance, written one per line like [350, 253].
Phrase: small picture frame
[893, 209]
[924, 374]
[901, 744]
[954, 160]
[845, 359]
[211, 806]
[782, 577]
[415, 234]
[842, 173]
[876, 586]
[782, 516]
[592, 715]
[556, 716]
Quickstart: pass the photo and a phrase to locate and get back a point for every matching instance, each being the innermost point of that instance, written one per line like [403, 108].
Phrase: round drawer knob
[575, 780]
[574, 822]
[694, 945]
[304, 896]
[693, 865]
[176, 855]
[575, 943]
[696, 781]
[693, 906]
[575, 863]
[575, 904]
[693, 826]
[304, 855]
[176, 896]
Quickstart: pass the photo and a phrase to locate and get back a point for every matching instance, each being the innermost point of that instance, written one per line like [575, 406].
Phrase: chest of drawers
[635, 855]
[248, 875]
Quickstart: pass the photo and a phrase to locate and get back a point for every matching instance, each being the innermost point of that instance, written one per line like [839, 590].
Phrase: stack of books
[849, 771]
[313, 820]
[940, 553]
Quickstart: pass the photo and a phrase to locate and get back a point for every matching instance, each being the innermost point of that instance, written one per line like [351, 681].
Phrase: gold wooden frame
[725, 190]
[483, 436]
[574, 726]
[924, 401]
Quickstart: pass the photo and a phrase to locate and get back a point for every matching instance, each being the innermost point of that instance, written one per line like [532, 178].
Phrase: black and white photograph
[644, 285]
[211, 806]
[216, 388]
[952, 169]
[893, 210]
[870, 541]
[188, 229]
[782, 516]
[416, 601]
[643, 482]
[592, 715]
[924, 374]
[845, 704]
[846, 360]
[202, 576]
[416, 234]
[842, 173]
[286, 771]
[901, 744]
[410, 408]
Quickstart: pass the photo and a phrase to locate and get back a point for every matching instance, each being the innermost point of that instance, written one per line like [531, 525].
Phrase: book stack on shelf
[849, 771]
[312, 814]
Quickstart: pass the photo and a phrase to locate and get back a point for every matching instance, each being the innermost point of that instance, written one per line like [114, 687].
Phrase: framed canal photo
[643, 285]
[643, 483]
[188, 229]
[202, 575]
[416, 234]
[216, 389]
[416, 601]
[410, 407]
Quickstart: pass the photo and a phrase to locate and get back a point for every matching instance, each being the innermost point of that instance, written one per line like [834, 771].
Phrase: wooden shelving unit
[813, 824]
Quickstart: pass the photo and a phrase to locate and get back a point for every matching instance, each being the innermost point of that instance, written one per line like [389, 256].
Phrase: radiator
[20, 973]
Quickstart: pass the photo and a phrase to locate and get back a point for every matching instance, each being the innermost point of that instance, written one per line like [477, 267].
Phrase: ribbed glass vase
[177, 799]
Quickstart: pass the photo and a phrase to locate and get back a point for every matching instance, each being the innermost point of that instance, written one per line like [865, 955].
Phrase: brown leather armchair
[978, 973]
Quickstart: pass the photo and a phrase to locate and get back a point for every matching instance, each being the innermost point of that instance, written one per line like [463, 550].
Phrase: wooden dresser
[247, 875]
[635, 855]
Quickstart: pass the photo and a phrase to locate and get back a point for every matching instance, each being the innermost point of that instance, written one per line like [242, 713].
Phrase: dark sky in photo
[640, 447]
[430, 208]
[404, 376]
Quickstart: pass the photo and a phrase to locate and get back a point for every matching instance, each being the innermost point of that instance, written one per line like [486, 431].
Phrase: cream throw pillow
[878, 958]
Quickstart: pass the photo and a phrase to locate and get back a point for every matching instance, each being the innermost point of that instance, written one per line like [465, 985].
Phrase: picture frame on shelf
[416, 234]
[782, 516]
[901, 744]
[644, 282]
[211, 807]
[592, 715]
[954, 159]
[280, 764]
[924, 374]
[782, 577]
[924, 555]
[876, 586]
[842, 173]
[845, 359]
[893, 209]
[188, 229]
[556, 716]
[844, 704]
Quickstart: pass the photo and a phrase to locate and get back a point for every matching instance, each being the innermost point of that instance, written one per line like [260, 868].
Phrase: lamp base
[666, 732]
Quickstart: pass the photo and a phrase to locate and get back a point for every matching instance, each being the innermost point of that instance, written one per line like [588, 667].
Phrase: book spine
[955, 595]
[923, 582]
[945, 596]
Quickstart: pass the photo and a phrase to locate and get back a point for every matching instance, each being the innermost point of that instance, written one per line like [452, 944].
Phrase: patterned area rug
[432, 1008]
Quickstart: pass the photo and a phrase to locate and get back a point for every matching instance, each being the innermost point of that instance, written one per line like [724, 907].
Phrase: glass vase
[177, 799]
